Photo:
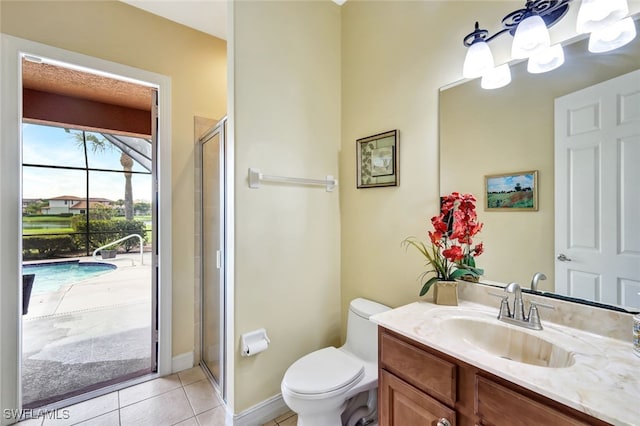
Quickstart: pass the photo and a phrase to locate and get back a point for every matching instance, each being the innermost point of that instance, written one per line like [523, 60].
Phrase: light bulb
[612, 37]
[497, 77]
[478, 60]
[531, 37]
[546, 60]
[595, 15]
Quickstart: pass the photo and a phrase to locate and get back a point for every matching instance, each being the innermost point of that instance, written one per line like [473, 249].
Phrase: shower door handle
[218, 259]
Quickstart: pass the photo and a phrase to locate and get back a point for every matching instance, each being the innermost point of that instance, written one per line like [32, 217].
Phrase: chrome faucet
[517, 316]
[518, 305]
[537, 277]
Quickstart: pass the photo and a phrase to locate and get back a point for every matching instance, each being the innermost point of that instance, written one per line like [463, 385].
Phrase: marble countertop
[604, 380]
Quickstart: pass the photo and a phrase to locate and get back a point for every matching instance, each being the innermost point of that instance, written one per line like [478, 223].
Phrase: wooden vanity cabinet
[421, 386]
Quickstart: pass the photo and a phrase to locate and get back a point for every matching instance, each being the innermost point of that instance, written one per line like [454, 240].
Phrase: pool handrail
[121, 240]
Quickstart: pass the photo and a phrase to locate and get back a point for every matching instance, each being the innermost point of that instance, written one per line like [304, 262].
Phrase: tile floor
[185, 399]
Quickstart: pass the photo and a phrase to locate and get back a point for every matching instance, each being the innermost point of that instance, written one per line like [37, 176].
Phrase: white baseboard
[182, 362]
[261, 413]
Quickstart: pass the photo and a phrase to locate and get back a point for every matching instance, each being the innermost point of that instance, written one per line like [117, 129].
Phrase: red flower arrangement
[452, 253]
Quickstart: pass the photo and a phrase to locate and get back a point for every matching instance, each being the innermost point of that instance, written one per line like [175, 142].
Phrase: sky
[507, 183]
[55, 147]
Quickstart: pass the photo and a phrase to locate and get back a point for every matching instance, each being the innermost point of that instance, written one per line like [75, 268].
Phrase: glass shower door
[212, 252]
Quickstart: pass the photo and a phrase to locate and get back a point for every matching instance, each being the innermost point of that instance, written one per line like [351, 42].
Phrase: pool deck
[104, 320]
[123, 286]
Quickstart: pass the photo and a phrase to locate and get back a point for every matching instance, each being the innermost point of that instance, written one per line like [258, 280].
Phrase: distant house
[26, 202]
[70, 204]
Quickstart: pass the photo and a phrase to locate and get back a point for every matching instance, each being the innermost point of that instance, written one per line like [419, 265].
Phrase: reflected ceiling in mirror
[510, 130]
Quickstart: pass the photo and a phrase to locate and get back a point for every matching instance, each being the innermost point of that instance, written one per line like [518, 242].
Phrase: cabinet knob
[443, 422]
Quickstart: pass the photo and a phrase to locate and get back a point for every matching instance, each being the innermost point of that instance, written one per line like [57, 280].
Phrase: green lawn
[64, 224]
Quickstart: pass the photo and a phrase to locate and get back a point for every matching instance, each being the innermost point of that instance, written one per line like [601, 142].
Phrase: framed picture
[512, 191]
[377, 160]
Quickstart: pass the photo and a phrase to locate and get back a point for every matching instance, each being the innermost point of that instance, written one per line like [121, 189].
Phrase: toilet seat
[325, 371]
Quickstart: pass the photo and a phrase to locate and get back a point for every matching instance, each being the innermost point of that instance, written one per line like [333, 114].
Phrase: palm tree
[127, 165]
[100, 145]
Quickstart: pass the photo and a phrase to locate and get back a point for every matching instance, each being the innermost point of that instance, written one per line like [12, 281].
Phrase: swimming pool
[52, 276]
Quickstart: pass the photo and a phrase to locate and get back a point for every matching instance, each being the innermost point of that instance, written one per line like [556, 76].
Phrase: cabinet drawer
[419, 368]
[495, 403]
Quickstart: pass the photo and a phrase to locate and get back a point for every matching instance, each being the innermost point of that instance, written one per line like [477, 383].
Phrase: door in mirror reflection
[597, 173]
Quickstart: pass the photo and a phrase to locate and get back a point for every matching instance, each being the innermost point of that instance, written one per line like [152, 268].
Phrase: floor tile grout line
[193, 410]
[95, 417]
[144, 399]
[188, 402]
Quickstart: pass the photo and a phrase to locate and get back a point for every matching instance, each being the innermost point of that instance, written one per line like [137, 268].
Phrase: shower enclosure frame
[219, 377]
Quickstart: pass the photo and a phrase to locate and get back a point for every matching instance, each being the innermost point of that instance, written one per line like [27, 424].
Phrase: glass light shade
[613, 36]
[595, 15]
[498, 77]
[531, 37]
[546, 60]
[478, 61]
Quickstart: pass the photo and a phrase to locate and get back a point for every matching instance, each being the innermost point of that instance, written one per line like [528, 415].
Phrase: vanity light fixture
[605, 19]
[531, 37]
[546, 60]
[497, 77]
[595, 15]
[612, 37]
[479, 59]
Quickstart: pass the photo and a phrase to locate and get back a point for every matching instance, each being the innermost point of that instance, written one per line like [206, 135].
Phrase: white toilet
[338, 386]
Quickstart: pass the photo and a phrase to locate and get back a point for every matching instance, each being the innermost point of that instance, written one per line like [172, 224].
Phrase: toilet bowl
[337, 386]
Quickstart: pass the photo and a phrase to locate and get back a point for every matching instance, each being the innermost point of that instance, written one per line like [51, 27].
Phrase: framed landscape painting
[512, 191]
[377, 160]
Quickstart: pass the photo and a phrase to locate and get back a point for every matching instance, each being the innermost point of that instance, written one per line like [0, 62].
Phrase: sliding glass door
[87, 227]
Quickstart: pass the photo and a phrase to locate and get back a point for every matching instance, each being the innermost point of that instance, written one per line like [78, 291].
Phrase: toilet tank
[362, 334]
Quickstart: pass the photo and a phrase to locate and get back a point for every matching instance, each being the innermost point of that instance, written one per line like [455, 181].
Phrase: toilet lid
[323, 371]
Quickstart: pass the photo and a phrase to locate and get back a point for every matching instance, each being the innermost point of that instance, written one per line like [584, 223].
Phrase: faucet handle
[542, 305]
[534, 316]
[504, 312]
[504, 309]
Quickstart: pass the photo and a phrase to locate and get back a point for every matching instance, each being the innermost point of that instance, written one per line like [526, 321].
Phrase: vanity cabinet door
[400, 404]
[496, 405]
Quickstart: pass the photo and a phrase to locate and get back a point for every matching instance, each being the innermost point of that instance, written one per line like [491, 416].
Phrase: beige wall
[286, 120]
[396, 55]
[120, 33]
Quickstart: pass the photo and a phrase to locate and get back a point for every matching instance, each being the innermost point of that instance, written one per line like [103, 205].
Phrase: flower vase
[446, 293]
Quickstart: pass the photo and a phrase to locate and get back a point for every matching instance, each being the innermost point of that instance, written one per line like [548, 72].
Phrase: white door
[597, 192]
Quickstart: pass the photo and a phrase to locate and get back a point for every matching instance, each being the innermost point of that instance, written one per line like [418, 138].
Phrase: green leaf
[478, 271]
[427, 285]
[460, 272]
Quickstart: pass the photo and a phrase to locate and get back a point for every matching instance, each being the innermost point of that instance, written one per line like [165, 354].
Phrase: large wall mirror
[511, 130]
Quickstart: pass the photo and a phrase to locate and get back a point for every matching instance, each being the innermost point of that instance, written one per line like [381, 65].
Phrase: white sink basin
[509, 342]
